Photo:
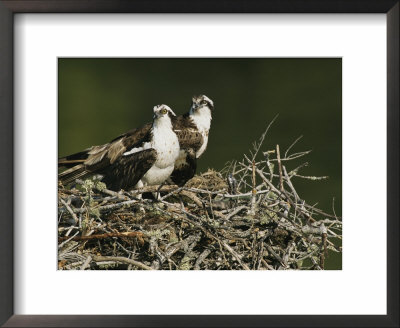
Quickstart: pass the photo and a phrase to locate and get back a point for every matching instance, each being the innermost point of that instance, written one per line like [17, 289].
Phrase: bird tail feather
[70, 175]
[73, 160]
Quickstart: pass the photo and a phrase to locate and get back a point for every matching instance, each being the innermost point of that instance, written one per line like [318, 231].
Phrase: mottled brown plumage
[107, 160]
[188, 135]
[99, 159]
[184, 169]
[192, 129]
[122, 162]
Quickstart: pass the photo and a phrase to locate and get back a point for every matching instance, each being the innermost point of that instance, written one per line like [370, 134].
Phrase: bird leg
[157, 193]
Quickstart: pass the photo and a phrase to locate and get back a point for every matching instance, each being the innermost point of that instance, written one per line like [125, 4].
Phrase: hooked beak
[195, 106]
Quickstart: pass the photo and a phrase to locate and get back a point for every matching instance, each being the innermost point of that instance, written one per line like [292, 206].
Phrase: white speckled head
[201, 101]
[162, 110]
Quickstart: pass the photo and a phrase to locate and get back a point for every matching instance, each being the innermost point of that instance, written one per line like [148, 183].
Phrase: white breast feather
[145, 145]
[181, 160]
[202, 119]
[166, 143]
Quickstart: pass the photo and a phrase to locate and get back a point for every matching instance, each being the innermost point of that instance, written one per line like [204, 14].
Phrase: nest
[246, 217]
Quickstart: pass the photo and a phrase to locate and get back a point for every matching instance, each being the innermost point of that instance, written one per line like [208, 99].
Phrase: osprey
[140, 157]
[192, 130]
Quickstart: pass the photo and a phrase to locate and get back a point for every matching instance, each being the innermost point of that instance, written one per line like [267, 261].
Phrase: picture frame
[7, 199]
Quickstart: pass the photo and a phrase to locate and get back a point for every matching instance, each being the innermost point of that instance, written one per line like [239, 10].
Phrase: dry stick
[315, 263]
[207, 233]
[288, 251]
[289, 182]
[235, 211]
[210, 208]
[245, 195]
[161, 258]
[201, 258]
[296, 169]
[218, 214]
[180, 211]
[269, 267]
[261, 140]
[67, 240]
[226, 246]
[284, 159]
[193, 197]
[136, 234]
[276, 255]
[188, 248]
[333, 207]
[282, 194]
[278, 156]
[120, 259]
[171, 193]
[112, 193]
[167, 188]
[309, 230]
[236, 255]
[306, 256]
[223, 255]
[290, 158]
[323, 249]
[290, 147]
[69, 209]
[254, 191]
[260, 254]
[109, 207]
[84, 265]
[171, 251]
[273, 188]
[220, 193]
[308, 177]
[244, 175]
[296, 155]
[318, 211]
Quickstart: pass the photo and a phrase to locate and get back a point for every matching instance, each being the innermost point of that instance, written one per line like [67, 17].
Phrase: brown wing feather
[186, 170]
[71, 174]
[74, 159]
[126, 171]
[97, 159]
[188, 136]
[189, 139]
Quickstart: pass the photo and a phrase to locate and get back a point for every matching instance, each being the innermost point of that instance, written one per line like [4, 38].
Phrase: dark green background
[102, 98]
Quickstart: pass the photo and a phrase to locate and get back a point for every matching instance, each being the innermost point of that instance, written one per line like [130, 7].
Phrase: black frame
[7, 10]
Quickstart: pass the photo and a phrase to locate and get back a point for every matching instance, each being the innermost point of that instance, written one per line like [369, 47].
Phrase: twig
[201, 258]
[120, 259]
[290, 147]
[254, 190]
[129, 234]
[261, 141]
[67, 240]
[86, 263]
[69, 210]
[278, 156]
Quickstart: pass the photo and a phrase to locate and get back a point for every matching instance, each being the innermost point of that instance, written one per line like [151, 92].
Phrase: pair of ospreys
[166, 148]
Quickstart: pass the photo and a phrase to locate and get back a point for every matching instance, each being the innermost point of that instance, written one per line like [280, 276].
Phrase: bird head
[161, 111]
[201, 101]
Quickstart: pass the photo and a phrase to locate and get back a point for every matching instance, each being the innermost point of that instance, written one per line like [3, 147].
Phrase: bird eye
[204, 102]
[164, 111]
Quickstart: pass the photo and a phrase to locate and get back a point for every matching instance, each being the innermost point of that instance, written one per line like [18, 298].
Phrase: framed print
[187, 193]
